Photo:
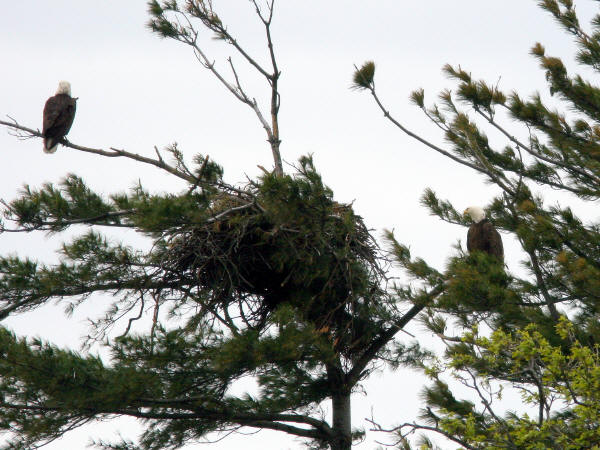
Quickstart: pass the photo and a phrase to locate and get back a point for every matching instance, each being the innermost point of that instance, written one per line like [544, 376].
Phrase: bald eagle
[59, 113]
[482, 235]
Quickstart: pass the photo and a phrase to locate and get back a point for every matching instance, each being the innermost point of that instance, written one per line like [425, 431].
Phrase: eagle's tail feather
[49, 145]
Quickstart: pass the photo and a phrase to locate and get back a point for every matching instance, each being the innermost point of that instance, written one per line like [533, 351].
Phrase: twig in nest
[263, 169]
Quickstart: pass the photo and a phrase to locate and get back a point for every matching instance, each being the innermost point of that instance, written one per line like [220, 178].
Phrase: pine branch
[440, 150]
[549, 300]
[357, 371]
[538, 155]
[60, 224]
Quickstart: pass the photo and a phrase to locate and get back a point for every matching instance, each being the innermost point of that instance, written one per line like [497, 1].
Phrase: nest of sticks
[256, 252]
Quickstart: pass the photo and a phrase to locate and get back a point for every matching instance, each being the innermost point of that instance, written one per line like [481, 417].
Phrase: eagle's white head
[64, 87]
[477, 213]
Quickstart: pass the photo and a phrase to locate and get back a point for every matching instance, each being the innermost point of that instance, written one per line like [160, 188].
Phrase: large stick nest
[283, 240]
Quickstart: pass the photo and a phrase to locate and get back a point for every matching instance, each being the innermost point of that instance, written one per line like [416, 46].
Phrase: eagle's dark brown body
[484, 237]
[59, 113]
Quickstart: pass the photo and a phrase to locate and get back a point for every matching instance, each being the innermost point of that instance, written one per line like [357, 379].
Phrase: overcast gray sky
[137, 91]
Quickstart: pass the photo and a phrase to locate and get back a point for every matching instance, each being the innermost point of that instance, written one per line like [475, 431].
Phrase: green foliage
[566, 372]
[476, 282]
[277, 281]
[536, 333]
[292, 243]
[56, 207]
[166, 19]
[418, 98]
[51, 208]
[274, 280]
[363, 77]
[53, 379]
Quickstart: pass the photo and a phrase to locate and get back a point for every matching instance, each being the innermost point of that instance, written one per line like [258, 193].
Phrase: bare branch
[229, 211]
[550, 301]
[113, 153]
[133, 319]
[414, 426]
[388, 116]
[188, 35]
[30, 133]
[275, 98]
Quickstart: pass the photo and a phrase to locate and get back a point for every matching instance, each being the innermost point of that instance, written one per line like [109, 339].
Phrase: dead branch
[113, 153]
[188, 35]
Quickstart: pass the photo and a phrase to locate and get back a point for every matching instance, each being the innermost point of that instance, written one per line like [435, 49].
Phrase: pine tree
[273, 280]
[536, 333]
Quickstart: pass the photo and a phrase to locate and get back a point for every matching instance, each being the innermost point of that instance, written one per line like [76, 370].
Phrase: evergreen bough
[537, 333]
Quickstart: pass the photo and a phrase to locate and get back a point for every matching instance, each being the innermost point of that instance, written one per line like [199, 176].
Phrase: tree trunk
[276, 155]
[342, 424]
